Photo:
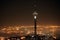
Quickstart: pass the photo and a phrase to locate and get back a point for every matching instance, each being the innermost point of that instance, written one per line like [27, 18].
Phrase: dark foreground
[28, 37]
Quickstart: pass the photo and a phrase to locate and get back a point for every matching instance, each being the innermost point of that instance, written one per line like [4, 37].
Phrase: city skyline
[30, 19]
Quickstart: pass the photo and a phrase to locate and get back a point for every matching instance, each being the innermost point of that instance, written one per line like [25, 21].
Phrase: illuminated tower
[35, 24]
[35, 14]
[35, 20]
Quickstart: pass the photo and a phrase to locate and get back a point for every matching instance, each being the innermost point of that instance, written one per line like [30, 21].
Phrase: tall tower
[35, 14]
[35, 24]
[35, 20]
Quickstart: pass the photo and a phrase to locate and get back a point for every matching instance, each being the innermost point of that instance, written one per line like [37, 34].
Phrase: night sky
[20, 12]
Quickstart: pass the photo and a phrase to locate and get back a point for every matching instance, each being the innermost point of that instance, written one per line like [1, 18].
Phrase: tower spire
[36, 6]
[35, 17]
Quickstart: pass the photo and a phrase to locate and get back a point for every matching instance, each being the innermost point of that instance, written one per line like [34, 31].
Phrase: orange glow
[29, 29]
[22, 37]
[1, 38]
[4, 29]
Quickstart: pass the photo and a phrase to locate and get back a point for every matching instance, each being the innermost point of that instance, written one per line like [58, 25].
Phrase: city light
[28, 29]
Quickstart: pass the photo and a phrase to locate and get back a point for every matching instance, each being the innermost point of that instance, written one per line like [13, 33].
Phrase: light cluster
[24, 30]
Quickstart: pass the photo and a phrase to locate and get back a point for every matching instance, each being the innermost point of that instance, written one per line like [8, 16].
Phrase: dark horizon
[20, 12]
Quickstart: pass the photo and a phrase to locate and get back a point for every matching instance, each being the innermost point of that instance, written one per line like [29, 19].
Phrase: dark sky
[20, 12]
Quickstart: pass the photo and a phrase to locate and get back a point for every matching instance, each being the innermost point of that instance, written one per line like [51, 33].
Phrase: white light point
[35, 17]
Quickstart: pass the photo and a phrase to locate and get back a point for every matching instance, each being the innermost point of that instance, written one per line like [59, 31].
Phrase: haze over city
[17, 19]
